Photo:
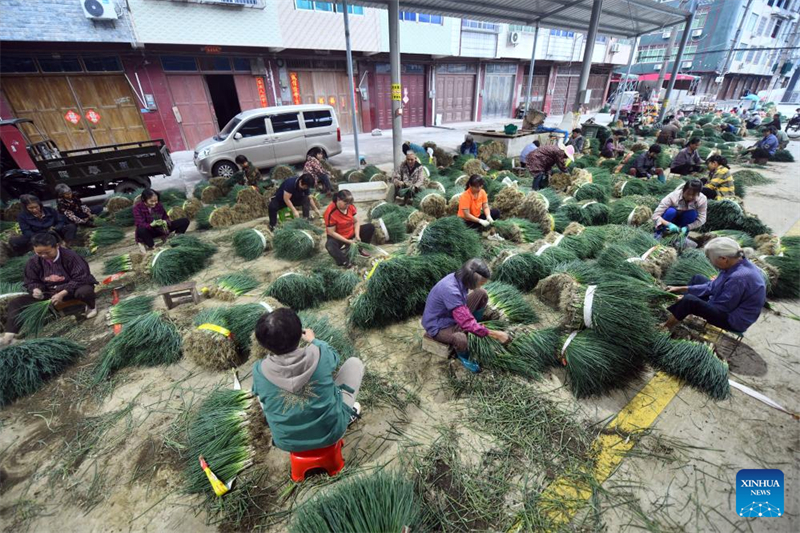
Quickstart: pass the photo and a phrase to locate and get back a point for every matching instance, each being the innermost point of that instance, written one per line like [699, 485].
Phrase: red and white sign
[72, 116]
[262, 91]
[294, 83]
[93, 116]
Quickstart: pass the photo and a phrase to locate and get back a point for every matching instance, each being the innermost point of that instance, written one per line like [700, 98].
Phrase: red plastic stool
[329, 459]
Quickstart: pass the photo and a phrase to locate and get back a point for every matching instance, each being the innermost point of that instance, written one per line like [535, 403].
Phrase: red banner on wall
[262, 91]
[294, 83]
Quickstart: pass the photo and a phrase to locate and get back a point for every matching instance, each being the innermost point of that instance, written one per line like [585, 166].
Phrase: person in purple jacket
[733, 300]
[151, 221]
[452, 311]
[53, 273]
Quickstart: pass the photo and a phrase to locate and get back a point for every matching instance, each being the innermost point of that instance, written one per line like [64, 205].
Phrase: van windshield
[226, 131]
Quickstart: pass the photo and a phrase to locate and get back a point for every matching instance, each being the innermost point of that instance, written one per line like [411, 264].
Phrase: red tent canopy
[667, 76]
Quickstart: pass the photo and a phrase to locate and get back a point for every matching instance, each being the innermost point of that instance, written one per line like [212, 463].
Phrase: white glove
[483, 223]
[490, 219]
[37, 293]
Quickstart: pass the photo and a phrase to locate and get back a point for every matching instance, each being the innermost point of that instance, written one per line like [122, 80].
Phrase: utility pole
[735, 44]
[673, 36]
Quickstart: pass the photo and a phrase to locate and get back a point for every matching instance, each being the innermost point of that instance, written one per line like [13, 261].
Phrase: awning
[616, 76]
[618, 18]
[667, 77]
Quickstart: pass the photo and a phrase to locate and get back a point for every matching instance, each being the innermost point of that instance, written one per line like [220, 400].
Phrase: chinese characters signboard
[72, 117]
[294, 83]
[396, 93]
[93, 116]
[262, 92]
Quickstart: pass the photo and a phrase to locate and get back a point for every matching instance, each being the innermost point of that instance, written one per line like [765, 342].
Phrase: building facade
[180, 69]
[734, 46]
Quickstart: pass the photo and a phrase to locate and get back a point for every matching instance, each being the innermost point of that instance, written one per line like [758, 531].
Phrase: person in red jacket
[151, 221]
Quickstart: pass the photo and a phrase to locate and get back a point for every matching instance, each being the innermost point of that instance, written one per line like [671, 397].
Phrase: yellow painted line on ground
[794, 231]
[567, 494]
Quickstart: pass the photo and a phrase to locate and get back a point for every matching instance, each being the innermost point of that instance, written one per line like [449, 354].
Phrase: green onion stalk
[26, 366]
[391, 227]
[14, 269]
[119, 263]
[596, 366]
[629, 211]
[398, 289]
[298, 291]
[693, 362]
[551, 199]
[522, 270]
[622, 260]
[230, 286]
[337, 284]
[379, 501]
[294, 244]
[689, 263]
[355, 249]
[384, 208]
[449, 236]
[218, 431]
[130, 309]
[123, 217]
[34, 317]
[518, 230]
[105, 236]
[251, 243]
[150, 340]
[175, 265]
[506, 302]
[325, 331]
[591, 191]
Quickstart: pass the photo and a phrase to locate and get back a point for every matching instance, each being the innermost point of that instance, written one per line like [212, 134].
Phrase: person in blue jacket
[764, 148]
[731, 301]
[36, 218]
[469, 146]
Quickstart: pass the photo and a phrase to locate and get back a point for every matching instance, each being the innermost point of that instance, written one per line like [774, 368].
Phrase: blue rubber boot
[479, 314]
[472, 366]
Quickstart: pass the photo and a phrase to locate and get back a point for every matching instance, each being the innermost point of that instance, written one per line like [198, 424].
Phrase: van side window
[285, 122]
[254, 127]
[317, 119]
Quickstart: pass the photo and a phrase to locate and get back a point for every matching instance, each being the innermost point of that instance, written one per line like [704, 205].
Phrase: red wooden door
[196, 115]
[454, 97]
[247, 90]
[413, 86]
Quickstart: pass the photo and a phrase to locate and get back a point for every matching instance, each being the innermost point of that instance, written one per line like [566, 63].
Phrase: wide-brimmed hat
[569, 150]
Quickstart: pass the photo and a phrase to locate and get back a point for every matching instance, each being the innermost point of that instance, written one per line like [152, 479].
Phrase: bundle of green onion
[130, 309]
[119, 263]
[105, 236]
[251, 243]
[218, 431]
[596, 366]
[506, 302]
[694, 362]
[518, 230]
[27, 365]
[690, 263]
[294, 244]
[449, 236]
[229, 286]
[34, 317]
[134, 346]
[296, 290]
[379, 501]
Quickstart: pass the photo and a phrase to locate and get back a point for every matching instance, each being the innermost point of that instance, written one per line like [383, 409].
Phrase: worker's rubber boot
[479, 314]
[472, 366]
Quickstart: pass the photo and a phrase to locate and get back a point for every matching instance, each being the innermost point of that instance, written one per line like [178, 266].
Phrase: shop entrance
[222, 89]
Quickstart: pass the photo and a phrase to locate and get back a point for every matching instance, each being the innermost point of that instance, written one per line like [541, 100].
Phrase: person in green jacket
[306, 406]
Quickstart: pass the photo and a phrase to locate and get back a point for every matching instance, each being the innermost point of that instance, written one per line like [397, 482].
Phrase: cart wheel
[128, 186]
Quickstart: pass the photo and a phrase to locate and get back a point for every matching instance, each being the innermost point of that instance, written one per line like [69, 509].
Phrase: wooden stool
[69, 307]
[329, 459]
[435, 347]
[714, 334]
[182, 290]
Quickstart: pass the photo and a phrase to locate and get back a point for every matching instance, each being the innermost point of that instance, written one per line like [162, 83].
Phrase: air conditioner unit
[513, 38]
[657, 66]
[99, 9]
[614, 48]
[686, 64]
[666, 34]
[697, 33]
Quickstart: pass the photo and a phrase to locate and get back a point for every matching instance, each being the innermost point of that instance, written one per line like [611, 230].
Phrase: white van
[270, 136]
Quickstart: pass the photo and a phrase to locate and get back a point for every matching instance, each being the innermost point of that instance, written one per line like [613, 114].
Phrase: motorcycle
[793, 127]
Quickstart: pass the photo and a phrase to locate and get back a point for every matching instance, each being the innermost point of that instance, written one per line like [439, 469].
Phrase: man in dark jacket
[644, 166]
[541, 161]
[53, 273]
[688, 160]
[36, 218]
[468, 147]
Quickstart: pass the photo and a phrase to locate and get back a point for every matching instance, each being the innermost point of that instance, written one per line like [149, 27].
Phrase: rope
[558, 240]
[589, 203]
[307, 234]
[648, 252]
[261, 236]
[509, 257]
[588, 300]
[633, 212]
[543, 248]
[566, 345]
[266, 306]
[383, 228]
[156, 257]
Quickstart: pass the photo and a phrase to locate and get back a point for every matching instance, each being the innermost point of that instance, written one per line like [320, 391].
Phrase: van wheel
[128, 186]
[224, 169]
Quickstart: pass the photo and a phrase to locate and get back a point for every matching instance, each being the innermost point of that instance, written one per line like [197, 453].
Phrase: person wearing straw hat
[455, 305]
[541, 161]
[731, 301]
